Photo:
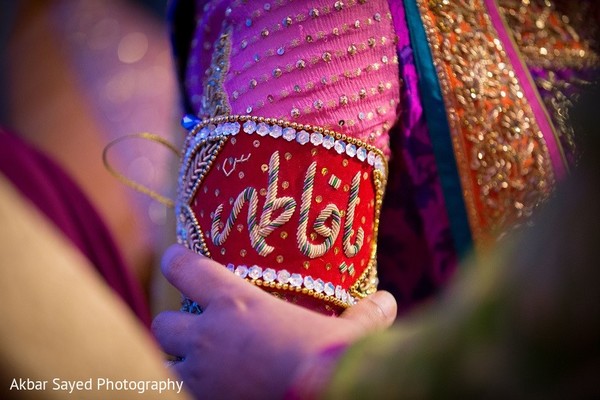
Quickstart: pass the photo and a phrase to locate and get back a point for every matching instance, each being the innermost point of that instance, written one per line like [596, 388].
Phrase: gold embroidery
[329, 212]
[208, 138]
[189, 232]
[215, 101]
[352, 249]
[258, 230]
[546, 37]
[549, 39]
[501, 154]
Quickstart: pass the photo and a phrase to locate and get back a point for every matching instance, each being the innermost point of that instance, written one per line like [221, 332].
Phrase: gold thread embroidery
[330, 211]
[258, 231]
[365, 284]
[352, 249]
[501, 154]
[215, 101]
[546, 37]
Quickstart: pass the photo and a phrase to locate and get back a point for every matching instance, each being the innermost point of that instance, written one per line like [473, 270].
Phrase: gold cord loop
[131, 183]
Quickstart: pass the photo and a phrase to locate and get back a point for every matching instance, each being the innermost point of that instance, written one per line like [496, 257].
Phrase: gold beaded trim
[294, 125]
[546, 37]
[501, 153]
[308, 292]
[367, 282]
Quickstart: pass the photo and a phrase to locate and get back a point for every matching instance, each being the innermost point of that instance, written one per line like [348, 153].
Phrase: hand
[247, 343]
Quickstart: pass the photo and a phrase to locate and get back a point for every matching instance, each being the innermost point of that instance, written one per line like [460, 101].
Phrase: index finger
[198, 277]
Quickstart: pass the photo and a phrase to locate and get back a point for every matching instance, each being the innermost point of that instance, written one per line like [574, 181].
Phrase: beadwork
[264, 77]
[221, 127]
[295, 282]
[205, 142]
[249, 188]
[549, 42]
[502, 156]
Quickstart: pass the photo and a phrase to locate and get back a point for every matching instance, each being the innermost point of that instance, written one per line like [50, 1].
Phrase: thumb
[374, 312]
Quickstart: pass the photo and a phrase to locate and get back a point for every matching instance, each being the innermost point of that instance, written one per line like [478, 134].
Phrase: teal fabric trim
[439, 131]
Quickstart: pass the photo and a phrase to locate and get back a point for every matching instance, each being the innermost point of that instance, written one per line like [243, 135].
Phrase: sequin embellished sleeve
[327, 63]
[285, 161]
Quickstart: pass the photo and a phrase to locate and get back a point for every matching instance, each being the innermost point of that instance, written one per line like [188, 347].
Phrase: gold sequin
[464, 61]
[216, 101]
[551, 40]
[547, 38]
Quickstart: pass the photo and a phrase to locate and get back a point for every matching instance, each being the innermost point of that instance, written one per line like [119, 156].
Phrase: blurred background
[77, 74]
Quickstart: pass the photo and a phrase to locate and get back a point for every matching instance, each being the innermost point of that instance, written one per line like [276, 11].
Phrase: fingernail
[386, 302]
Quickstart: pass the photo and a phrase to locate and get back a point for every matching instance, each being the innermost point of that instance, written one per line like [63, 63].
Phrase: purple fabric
[57, 196]
[416, 253]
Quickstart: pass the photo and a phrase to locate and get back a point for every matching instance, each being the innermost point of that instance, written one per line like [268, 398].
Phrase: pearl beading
[225, 126]
[295, 282]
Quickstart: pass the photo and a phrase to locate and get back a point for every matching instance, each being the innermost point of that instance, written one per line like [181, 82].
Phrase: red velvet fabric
[244, 162]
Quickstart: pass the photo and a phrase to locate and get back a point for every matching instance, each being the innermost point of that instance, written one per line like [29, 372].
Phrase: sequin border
[496, 135]
[207, 138]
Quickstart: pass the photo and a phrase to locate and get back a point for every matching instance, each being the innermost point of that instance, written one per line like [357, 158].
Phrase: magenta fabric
[337, 69]
[58, 197]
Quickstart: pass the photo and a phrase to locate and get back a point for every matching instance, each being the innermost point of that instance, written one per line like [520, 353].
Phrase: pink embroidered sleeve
[322, 62]
[283, 173]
